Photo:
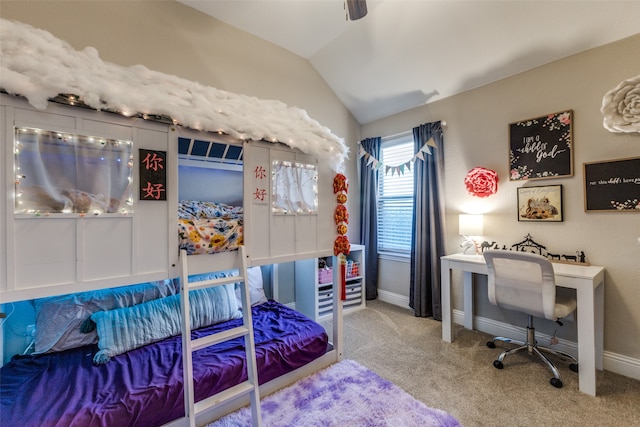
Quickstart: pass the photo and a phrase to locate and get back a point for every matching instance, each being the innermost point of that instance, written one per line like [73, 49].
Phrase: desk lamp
[470, 226]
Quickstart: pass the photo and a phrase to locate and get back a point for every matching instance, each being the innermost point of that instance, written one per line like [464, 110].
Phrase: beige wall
[477, 135]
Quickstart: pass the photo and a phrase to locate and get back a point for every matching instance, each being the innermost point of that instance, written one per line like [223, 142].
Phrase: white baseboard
[393, 298]
[613, 362]
[622, 365]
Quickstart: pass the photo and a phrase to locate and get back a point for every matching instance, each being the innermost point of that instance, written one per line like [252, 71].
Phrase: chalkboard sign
[153, 175]
[541, 147]
[613, 185]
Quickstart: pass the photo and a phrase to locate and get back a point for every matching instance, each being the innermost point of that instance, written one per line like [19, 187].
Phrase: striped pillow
[128, 328]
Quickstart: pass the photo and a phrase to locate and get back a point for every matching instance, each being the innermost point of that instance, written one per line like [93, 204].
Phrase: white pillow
[256, 287]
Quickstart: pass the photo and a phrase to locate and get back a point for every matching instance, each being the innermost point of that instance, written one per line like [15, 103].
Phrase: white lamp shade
[470, 225]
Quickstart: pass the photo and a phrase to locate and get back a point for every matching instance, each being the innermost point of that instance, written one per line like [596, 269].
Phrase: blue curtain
[427, 241]
[369, 214]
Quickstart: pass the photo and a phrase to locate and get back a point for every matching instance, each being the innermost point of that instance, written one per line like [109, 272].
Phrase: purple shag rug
[344, 394]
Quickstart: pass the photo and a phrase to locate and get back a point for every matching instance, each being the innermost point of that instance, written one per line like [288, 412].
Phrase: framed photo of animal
[542, 203]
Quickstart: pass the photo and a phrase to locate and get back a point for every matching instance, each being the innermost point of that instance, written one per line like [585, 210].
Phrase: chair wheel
[491, 344]
[556, 382]
[574, 367]
[498, 365]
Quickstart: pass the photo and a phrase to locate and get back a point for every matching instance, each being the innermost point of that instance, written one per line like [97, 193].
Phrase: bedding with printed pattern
[209, 227]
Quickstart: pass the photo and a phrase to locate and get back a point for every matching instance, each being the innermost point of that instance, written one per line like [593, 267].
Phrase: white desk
[588, 281]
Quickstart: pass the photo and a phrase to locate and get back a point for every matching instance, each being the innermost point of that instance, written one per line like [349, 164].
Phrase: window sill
[395, 256]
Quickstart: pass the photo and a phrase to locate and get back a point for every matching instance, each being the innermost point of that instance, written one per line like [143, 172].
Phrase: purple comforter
[144, 387]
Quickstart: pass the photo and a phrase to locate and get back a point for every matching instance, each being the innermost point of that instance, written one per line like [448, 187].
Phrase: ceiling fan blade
[357, 9]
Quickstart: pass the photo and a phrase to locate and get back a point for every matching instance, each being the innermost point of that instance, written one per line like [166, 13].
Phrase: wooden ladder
[251, 386]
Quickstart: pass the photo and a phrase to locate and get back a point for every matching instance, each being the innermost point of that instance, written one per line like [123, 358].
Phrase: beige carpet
[459, 378]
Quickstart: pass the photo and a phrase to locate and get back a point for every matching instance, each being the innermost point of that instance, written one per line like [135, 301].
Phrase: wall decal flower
[481, 182]
[621, 107]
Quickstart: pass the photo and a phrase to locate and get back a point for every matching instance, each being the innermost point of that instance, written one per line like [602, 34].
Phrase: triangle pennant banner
[377, 164]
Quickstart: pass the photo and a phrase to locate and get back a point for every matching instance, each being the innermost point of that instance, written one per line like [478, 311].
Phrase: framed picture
[612, 186]
[541, 147]
[540, 203]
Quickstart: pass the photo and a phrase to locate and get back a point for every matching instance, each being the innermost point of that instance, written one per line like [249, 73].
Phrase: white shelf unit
[314, 285]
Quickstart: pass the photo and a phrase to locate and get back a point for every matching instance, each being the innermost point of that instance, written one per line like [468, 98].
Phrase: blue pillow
[128, 328]
[59, 318]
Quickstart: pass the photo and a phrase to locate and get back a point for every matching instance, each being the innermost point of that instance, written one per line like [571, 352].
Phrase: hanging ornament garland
[341, 215]
[399, 169]
[341, 246]
[481, 182]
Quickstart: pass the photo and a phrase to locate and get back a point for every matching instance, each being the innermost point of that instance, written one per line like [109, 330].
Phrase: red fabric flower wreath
[481, 182]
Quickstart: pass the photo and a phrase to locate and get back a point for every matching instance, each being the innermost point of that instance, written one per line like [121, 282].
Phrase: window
[71, 173]
[295, 187]
[395, 195]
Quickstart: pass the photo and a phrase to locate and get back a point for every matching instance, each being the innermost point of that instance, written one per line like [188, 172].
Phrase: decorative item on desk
[488, 245]
[469, 226]
[578, 258]
[528, 243]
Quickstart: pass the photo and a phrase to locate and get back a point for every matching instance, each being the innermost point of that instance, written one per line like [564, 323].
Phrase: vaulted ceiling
[405, 53]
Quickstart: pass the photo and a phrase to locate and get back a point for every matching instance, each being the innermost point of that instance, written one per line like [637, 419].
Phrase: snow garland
[38, 66]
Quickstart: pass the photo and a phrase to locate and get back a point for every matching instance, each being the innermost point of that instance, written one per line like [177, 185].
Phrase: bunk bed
[98, 378]
[79, 376]
[84, 373]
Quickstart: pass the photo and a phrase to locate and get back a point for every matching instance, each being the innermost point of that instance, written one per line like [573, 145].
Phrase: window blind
[395, 196]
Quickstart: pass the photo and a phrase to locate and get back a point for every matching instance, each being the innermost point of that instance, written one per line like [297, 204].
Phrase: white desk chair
[525, 282]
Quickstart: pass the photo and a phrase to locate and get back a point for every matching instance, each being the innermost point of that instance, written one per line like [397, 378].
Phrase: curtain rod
[443, 124]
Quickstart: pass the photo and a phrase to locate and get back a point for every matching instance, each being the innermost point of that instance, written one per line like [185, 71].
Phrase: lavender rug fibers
[344, 394]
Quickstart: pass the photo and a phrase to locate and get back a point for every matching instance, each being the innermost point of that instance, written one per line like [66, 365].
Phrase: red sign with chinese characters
[260, 180]
[153, 175]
